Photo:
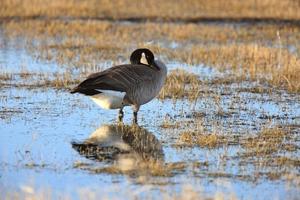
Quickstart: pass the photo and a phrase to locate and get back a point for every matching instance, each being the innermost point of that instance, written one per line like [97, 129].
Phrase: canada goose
[130, 84]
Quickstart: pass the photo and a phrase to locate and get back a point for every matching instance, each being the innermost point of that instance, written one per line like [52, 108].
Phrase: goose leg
[121, 114]
[135, 112]
[134, 117]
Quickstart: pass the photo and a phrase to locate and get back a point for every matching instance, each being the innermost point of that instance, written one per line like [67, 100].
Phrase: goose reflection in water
[124, 146]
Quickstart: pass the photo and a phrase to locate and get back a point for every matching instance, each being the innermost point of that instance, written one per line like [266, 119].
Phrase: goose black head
[136, 56]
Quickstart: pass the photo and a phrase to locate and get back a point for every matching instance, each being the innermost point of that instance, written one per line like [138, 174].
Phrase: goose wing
[119, 78]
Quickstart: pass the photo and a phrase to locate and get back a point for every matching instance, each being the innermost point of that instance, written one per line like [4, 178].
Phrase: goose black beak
[155, 66]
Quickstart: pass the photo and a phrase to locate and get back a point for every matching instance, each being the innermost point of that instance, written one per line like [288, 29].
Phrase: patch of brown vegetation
[276, 66]
[282, 160]
[255, 52]
[191, 9]
[168, 124]
[269, 141]
[179, 84]
[211, 140]
[5, 76]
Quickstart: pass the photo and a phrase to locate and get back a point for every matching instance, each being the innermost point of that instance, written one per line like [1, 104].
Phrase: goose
[131, 84]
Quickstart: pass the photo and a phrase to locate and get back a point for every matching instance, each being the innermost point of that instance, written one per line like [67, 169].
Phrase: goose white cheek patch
[143, 59]
[109, 99]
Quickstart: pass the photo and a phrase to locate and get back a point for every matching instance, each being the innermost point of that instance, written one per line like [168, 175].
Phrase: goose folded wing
[119, 78]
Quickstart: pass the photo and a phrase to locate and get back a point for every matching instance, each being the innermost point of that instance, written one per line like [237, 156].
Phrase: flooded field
[39, 126]
[225, 126]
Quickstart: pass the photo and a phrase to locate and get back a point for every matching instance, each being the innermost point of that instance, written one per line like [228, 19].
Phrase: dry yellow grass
[181, 84]
[60, 81]
[211, 140]
[276, 66]
[269, 141]
[281, 161]
[105, 34]
[169, 9]
[168, 124]
[256, 52]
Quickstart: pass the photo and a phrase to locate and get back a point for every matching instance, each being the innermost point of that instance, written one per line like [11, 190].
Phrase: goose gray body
[123, 85]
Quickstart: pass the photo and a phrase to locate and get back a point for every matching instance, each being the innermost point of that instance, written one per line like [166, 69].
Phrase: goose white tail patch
[109, 99]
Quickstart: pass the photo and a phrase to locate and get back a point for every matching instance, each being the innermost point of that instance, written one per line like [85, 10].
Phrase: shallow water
[38, 126]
